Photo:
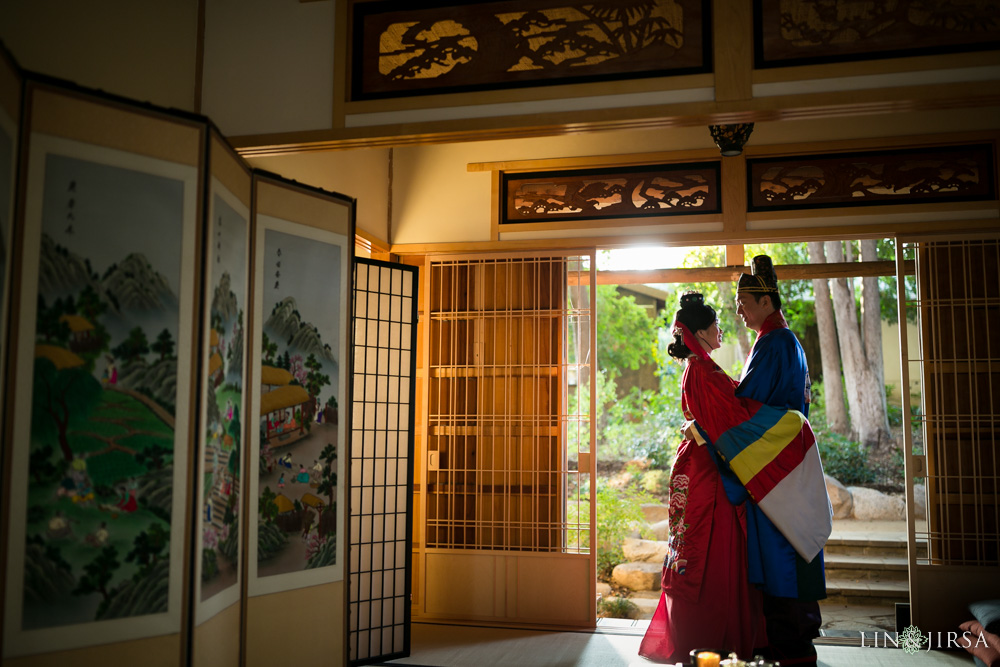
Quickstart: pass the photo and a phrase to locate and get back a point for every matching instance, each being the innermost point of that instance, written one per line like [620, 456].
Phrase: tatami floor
[464, 646]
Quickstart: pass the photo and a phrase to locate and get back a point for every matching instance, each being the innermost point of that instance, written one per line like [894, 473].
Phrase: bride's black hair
[695, 315]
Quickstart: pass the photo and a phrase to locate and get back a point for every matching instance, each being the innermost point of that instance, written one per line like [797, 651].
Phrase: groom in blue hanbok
[776, 374]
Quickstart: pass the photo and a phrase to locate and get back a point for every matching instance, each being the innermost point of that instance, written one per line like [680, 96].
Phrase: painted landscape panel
[223, 409]
[8, 133]
[99, 437]
[301, 392]
[8, 154]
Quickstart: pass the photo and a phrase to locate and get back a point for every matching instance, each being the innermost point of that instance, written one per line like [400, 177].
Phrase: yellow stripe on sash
[757, 455]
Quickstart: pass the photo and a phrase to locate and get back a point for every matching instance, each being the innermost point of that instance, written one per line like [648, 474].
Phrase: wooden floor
[464, 646]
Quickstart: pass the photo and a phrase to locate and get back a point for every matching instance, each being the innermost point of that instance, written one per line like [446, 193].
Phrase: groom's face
[752, 312]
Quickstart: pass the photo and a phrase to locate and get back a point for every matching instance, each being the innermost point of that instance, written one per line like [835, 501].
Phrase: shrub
[617, 608]
[844, 459]
[619, 512]
[656, 482]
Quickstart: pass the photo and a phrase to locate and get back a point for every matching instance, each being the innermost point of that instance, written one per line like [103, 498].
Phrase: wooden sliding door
[953, 450]
[507, 506]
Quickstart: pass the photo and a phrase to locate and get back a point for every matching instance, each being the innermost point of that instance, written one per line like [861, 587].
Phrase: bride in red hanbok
[707, 600]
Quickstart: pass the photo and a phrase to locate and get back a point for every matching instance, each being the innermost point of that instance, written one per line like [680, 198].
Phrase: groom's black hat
[762, 279]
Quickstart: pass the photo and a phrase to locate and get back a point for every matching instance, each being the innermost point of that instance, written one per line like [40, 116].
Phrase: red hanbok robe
[707, 599]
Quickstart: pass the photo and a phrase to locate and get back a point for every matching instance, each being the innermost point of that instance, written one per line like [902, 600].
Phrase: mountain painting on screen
[222, 444]
[297, 479]
[104, 395]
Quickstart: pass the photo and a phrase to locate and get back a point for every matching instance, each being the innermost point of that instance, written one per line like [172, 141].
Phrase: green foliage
[656, 482]
[229, 547]
[268, 349]
[48, 325]
[325, 554]
[619, 512]
[626, 335]
[617, 608]
[895, 412]
[267, 507]
[41, 466]
[152, 454]
[315, 380]
[328, 482]
[270, 540]
[631, 424]
[843, 459]
[112, 467]
[134, 346]
[148, 546]
[209, 564]
[61, 399]
[720, 296]
[797, 299]
[105, 428]
[164, 344]
[98, 573]
[639, 424]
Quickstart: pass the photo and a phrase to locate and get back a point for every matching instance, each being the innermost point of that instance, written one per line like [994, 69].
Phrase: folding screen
[10, 116]
[303, 258]
[385, 340]
[151, 484]
[218, 535]
[100, 388]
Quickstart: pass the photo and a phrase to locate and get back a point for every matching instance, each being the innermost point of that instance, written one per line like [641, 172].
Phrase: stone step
[865, 546]
[862, 546]
[879, 568]
[867, 592]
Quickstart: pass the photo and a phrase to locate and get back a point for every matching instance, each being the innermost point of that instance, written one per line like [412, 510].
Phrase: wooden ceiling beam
[723, 274]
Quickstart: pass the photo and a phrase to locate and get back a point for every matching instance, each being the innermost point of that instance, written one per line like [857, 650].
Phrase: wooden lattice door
[953, 447]
[506, 497]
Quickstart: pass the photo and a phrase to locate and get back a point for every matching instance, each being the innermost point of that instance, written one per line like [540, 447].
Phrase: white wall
[142, 50]
[435, 198]
[268, 65]
[890, 356]
[362, 174]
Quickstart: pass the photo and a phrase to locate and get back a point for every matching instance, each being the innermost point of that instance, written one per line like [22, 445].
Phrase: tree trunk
[833, 381]
[865, 393]
[875, 376]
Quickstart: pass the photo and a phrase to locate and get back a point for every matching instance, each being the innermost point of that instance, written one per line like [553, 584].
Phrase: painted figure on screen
[222, 439]
[298, 365]
[104, 395]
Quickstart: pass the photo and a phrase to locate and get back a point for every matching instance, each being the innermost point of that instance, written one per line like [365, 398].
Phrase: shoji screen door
[954, 446]
[385, 335]
[506, 504]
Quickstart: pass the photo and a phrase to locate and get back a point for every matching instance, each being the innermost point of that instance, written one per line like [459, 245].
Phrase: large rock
[840, 498]
[661, 530]
[919, 501]
[644, 551]
[655, 512]
[872, 505]
[637, 576]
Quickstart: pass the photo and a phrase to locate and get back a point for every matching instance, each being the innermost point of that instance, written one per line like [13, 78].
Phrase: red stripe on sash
[787, 460]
